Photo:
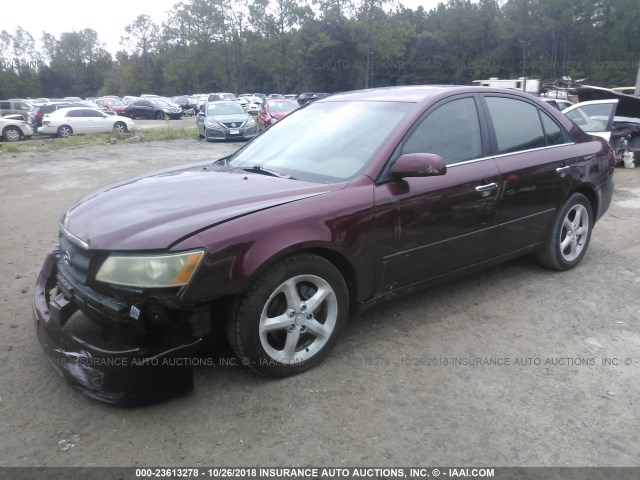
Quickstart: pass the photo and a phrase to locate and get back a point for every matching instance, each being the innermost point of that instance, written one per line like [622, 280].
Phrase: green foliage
[331, 45]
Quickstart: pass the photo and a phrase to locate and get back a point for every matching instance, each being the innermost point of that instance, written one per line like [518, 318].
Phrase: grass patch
[95, 139]
[80, 140]
[11, 148]
[168, 133]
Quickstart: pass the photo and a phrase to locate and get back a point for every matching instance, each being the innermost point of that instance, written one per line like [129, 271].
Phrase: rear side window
[516, 123]
[552, 132]
[5, 105]
[92, 113]
[451, 131]
[74, 113]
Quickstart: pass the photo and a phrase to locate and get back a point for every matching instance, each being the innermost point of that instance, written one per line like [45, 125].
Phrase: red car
[273, 110]
[355, 199]
[112, 104]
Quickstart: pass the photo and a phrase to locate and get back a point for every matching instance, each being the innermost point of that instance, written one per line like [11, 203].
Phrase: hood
[154, 212]
[239, 118]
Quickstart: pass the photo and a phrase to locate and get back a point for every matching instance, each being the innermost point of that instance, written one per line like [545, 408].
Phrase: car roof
[413, 94]
[223, 102]
[67, 109]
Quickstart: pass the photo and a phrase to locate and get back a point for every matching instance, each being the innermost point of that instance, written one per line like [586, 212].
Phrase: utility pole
[637, 92]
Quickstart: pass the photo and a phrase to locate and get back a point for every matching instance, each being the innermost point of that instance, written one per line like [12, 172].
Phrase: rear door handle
[562, 169]
[488, 186]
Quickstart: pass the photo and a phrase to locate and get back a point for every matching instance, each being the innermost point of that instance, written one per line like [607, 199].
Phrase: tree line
[289, 46]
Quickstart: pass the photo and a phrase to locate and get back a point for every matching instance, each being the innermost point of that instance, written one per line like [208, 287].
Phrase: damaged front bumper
[115, 372]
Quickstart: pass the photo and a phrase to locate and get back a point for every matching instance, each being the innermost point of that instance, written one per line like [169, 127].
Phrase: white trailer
[524, 84]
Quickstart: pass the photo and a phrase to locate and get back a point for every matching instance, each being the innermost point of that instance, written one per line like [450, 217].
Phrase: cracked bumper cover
[118, 374]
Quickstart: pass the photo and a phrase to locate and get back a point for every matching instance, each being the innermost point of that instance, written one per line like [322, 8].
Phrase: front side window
[451, 131]
[516, 123]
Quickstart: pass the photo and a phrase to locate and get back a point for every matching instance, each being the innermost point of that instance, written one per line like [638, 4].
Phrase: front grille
[229, 124]
[74, 260]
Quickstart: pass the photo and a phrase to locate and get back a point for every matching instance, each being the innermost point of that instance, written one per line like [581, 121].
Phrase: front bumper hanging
[120, 373]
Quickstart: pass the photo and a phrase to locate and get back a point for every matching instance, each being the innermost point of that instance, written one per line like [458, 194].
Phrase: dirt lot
[515, 366]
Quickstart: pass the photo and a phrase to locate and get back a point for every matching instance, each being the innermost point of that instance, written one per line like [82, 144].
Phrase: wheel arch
[336, 258]
[589, 192]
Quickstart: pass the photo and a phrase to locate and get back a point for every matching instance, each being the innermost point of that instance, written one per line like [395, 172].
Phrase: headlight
[249, 123]
[150, 271]
[212, 124]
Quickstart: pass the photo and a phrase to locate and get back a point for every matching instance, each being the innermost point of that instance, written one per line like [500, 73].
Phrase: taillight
[612, 157]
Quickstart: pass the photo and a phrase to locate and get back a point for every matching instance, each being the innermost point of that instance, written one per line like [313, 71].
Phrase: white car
[75, 120]
[14, 128]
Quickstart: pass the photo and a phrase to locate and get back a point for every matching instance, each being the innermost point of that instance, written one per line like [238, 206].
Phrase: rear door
[533, 155]
[77, 120]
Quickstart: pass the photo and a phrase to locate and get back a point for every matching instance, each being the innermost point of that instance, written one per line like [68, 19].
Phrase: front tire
[570, 235]
[290, 318]
[65, 131]
[120, 127]
[11, 134]
[159, 115]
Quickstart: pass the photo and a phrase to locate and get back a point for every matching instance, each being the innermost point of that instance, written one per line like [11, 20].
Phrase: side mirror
[418, 165]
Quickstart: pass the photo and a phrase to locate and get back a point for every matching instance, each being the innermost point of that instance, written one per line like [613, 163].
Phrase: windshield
[325, 142]
[160, 103]
[224, 109]
[282, 107]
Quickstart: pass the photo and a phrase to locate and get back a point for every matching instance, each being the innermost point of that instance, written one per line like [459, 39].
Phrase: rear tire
[291, 317]
[65, 131]
[570, 235]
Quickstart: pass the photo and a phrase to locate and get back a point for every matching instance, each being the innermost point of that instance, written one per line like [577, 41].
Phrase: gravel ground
[514, 366]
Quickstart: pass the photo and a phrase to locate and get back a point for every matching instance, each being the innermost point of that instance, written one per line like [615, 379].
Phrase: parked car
[186, 102]
[129, 99]
[250, 104]
[39, 111]
[13, 107]
[321, 216]
[308, 97]
[275, 95]
[111, 104]
[224, 120]
[606, 119]
[558, 103]
[77, 120]
[273, 110]
[152, 108]
[14, 128]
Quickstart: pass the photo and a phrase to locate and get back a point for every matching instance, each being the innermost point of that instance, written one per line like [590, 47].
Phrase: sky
[109, 20]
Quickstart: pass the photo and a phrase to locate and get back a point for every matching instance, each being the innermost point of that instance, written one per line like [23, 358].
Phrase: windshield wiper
[265, 171]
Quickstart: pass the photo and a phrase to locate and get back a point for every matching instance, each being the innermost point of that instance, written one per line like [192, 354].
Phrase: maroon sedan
[350, 201]
[273, 110]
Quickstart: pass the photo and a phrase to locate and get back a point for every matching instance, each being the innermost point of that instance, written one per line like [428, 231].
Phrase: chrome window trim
[509, 154]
